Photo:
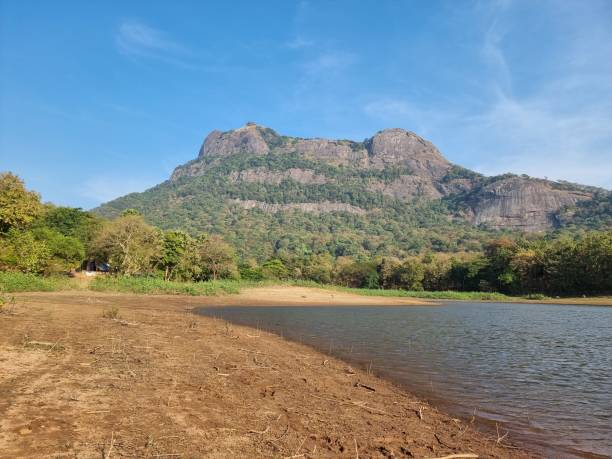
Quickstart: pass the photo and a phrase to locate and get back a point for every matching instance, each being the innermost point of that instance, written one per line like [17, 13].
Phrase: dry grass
[111, 313]
[7, 304]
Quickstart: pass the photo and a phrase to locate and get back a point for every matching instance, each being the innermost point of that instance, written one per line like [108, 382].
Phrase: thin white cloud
[530, 136]
[299, 43]
[495, 58]
[388, 109]
[560, 129]
[397, 112]
[328, 62]
[136, 39]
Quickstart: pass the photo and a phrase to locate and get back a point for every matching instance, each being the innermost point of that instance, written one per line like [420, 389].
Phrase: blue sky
[98, 99]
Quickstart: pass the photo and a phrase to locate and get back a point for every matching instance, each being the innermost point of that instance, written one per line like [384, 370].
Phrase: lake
[544, 372]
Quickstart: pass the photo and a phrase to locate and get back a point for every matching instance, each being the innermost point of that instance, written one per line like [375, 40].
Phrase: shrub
[157, 286]
[112, 313]
[21, 282]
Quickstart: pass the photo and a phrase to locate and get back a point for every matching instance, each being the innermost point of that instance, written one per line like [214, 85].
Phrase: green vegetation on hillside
[390, 227]
[341, 249]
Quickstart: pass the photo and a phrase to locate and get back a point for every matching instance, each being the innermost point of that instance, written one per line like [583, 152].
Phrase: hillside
[392, 194]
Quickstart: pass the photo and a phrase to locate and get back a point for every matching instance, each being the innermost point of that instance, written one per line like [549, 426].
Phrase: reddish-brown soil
[160, 381]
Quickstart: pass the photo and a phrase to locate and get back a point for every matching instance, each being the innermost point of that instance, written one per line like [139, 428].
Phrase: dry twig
[110, 448]
[456, 456]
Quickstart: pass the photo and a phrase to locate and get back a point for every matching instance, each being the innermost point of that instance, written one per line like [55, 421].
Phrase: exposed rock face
[338, 152]
[245, 139]
[508, 202]
[190, 169]
[263, 175]
[390, 147]
[310, 207]
[407, 187]
[520, 203]
[393, 147]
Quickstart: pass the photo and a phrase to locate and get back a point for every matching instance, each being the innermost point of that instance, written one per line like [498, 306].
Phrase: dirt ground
[160, 382]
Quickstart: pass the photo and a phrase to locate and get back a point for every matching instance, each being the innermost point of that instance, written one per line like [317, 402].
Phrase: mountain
[393, 193]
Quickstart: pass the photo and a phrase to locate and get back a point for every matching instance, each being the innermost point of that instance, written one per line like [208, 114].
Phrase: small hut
[94, 266]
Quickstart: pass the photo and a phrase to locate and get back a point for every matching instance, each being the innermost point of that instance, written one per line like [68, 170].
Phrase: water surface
[542, 371]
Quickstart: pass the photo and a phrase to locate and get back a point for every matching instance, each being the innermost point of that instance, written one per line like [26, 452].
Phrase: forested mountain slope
[392, 194]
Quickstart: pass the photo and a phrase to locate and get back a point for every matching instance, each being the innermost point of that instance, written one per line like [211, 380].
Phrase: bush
[21, 282]
[536, 296]
[112, 313]
[157, 286]
[7, 304]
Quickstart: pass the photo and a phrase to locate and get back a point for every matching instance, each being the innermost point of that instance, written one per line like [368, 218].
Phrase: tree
[387, 271]
[21, 251]
[359, 274]
[71, 221]
[177, 246]
[65, 252]
[410, 274]
[466, 274]
[249, 270]
[319, 268]
[217, 258]
[437, 272]
[128, 244]
[499, 273]
[528, 265]
[18, 207]
[275, 269]
[594, 257]
[130, 212]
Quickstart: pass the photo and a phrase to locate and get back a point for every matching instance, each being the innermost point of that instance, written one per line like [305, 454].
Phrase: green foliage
[250, 273]
[441, 295]
[275, 269]
[318, 268]
[217, 258]
[391, 227]
[358, 274]
[410, 274]
[156, 286]
[18, 207]
[395, 246]
[22, 251]
[128, 243]
[65, 252]
[71, 222]
[20, 282]
[595, 214]
[130, 213]
[458, 172]
[40, 239]
[177, 256]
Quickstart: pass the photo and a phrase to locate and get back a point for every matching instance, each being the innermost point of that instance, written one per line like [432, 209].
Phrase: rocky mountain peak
[400, 147]
[394, 167]
[248, 138]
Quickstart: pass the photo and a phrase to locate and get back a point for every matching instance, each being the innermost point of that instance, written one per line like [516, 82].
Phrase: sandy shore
[285, 295]
[163, 382]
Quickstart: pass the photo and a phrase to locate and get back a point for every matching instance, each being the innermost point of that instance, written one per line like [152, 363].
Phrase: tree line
[45, 239]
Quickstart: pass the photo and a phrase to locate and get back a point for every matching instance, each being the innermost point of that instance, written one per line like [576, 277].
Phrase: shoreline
[161, 380]
[271, 294]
